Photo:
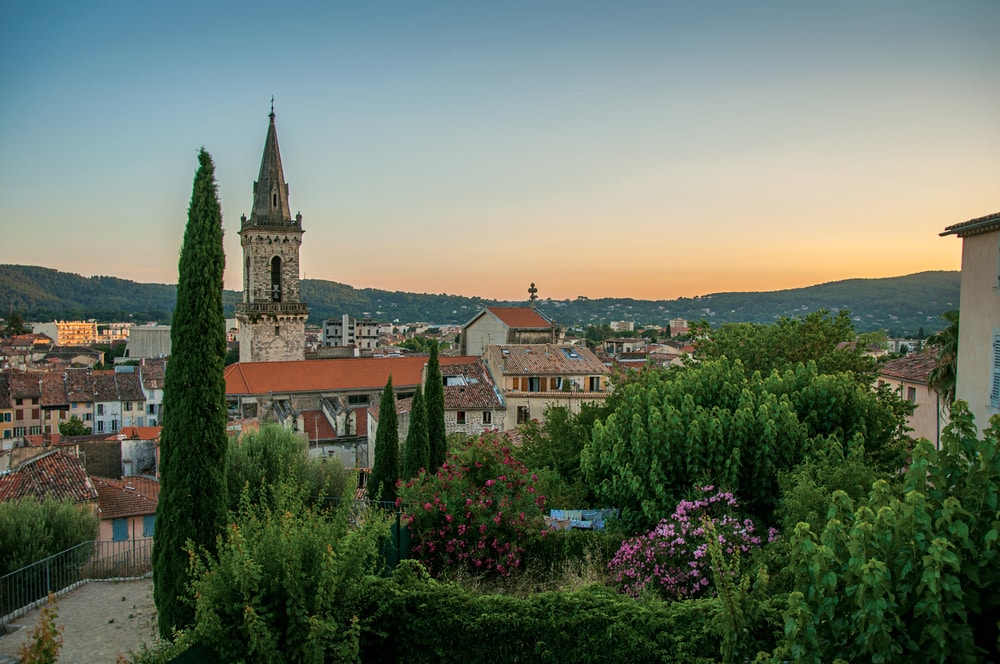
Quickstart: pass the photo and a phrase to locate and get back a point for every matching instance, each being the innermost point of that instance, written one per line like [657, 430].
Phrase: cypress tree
[434, 398]
[193, 441]
[416, 449]
[385, 470]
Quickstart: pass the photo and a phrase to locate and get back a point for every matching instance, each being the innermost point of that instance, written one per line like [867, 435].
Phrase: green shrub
[909, 573]
[31, 529]
[287, 581]
[414, 618]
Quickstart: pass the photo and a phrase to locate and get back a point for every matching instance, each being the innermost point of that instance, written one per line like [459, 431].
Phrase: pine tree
[434, 398]
[416, 449]
[192, 504]
[385, 470]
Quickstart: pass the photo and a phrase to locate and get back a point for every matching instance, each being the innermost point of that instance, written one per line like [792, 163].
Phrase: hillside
[901, 305]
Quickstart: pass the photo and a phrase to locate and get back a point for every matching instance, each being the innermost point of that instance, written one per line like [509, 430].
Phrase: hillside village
[85, 429]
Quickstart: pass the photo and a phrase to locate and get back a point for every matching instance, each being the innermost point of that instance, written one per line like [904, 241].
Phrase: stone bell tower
[272, 317]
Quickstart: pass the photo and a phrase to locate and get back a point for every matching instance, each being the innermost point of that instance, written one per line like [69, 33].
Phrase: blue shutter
[148, 525]
[995, 387]
[119, 530]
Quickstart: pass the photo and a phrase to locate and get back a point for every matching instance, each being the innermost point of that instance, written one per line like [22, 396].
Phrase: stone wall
[273, 339]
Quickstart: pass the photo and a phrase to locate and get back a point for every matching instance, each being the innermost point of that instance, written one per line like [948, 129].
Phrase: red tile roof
[316, 426]
[990, 222]
[913, 368]
[477, 391]
[134, 496]
[54, 473]
[353, 373]
[545, 359]
[136, 433]
[520, 317]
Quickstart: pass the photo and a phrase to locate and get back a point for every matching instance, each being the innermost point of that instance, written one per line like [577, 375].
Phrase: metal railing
[26, 588]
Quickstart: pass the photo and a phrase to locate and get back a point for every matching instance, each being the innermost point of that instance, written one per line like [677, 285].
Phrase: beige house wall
[927, 419]
[484, 331]
[134, 529]
[979, 323]
[538, 402]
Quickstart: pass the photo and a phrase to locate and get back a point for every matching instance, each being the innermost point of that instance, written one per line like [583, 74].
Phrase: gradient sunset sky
[607, 149]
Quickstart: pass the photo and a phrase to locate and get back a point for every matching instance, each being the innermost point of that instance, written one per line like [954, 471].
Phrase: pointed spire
[270, 193]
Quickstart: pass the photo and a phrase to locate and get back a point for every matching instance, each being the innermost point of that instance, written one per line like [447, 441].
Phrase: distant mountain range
[901, 305]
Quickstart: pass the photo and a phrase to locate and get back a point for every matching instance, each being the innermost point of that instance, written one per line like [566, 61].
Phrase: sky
[604, 149]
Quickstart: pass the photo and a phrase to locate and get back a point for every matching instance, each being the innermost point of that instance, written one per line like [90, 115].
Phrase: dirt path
[101, 619]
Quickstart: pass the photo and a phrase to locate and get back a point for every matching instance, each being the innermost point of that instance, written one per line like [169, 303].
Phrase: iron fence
[26, 588]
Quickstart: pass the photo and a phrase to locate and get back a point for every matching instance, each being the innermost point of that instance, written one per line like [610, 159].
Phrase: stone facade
[272, 317]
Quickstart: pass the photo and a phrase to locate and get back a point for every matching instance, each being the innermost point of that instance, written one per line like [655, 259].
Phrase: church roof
[270, 192]
[352, 373]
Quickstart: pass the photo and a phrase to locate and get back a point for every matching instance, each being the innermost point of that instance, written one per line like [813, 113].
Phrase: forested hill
[901, 305]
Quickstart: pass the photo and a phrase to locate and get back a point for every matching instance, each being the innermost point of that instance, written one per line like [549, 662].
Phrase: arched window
[276, 279]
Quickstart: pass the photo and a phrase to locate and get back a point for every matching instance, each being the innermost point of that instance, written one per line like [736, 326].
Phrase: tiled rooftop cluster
[56, 473]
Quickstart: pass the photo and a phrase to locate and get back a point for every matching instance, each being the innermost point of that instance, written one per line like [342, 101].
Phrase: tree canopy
[416, 449]
[193, 498]
[434, 400]
[385, 469]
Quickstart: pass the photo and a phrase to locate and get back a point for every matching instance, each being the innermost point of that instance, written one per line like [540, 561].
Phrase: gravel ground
[100, 619]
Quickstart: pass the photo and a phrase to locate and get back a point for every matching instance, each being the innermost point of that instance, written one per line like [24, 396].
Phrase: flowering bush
[477, 511]
[672, 559]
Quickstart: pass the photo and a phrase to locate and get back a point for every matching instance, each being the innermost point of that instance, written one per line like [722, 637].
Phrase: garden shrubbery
[477, 512]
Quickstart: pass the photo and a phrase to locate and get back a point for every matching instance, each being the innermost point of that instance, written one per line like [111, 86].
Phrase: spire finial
[272, 107]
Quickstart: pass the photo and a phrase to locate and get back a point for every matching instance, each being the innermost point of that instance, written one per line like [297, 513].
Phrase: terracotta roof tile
[990, 222]
[520, 317]
[354, 373]
[477, 391]
[914, 368]
[545, 359]
[105, 387]
[316, 426]
[128, 497]
[79, 385]
[136, 433]
[129, 386]
[54, 390]
[152, 374]
[25, 385]
[54, 473]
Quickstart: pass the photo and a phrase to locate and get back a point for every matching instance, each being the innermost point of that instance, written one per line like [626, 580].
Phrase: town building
[978, 370]
[532, 377]
[272, 316]
[148, 342]
[346, 331]
[505, 325]
[907, 376]
[68, 332]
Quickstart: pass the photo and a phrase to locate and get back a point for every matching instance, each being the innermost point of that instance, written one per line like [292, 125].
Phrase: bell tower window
[276, 279]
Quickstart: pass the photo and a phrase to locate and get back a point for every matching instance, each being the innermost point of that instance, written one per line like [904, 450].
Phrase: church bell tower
[272, 317]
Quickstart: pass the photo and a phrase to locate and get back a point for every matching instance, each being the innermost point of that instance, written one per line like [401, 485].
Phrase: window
[911, 394]
[151, 409]
[35, 414]
[127, 405]
[119, 530]
[100, 409]
[7, 433]
[148, 525]
[19, 402]
[357, 399]
[20, 413]
[595, 383]
[460, 417]
[276, 281]
[88, 417]
[487, 417]
[7, 417]
[995, 386]
[100, 426]
[35, 430]
[523, 414]
[534, 384]
[19, 431]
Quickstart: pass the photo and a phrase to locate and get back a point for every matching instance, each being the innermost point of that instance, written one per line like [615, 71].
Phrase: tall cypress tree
[417, 448]
[385, 470]
[193, 441]
[434, 397]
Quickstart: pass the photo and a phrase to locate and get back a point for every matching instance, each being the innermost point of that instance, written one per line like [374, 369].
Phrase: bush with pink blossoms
[477, 512]
[672, 559]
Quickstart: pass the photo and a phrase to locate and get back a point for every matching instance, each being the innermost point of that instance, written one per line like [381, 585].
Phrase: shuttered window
[995, 388]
